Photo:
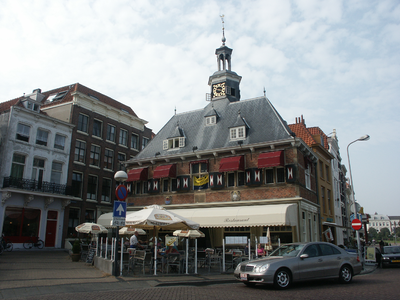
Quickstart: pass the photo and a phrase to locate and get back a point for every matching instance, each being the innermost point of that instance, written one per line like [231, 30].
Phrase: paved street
[52, 275]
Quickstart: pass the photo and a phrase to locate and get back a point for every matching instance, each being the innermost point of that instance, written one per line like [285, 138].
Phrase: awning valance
[270, 159]
[138, 174]
[165, 171]
[229, 164]
[242, 216]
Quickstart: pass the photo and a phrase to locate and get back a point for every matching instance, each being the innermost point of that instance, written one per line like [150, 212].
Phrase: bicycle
[5, 245]
[31, 243]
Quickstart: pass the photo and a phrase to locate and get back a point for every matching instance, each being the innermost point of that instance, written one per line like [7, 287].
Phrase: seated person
[260, 250]
[135, 242]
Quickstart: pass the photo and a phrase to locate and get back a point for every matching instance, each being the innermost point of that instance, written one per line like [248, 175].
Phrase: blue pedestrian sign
[119, 213]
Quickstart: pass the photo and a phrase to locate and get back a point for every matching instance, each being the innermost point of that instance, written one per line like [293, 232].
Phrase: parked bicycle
[5, 245]
[31, 243]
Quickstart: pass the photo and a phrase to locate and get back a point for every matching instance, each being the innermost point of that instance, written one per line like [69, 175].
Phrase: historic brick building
[233, 166]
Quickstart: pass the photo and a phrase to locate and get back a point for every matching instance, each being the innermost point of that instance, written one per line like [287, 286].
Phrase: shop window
[21, 223]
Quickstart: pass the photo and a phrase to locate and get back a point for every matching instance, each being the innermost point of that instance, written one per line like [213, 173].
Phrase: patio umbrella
[190, 234]
[92, 228]
[131, 230]
[193, 234]
[156, 217]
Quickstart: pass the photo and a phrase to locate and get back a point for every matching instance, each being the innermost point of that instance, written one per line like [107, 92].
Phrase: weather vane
[223, 30]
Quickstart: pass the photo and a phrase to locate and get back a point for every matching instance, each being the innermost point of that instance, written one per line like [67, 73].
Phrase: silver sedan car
[300, 262]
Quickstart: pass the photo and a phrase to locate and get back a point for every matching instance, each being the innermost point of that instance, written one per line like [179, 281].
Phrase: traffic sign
[121, 192]
[119, 213]
[356, 224]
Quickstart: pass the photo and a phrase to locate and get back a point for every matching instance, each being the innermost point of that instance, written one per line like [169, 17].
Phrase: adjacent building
[234, 166]
[35, 152]
[73, 136]
[315, 138]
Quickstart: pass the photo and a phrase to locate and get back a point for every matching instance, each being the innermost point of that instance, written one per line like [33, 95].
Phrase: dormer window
[174, 143]
[237, 133]
[31, 106]
[56, 97]
[211, 120]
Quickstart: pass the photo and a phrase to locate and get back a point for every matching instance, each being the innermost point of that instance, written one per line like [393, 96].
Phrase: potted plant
[76, 251]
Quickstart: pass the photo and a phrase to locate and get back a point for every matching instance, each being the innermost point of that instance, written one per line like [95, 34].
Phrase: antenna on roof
[265, 92]
[175, 110]
[223, 30]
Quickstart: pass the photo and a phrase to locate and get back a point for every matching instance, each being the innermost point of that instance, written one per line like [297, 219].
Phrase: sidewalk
[28, 273]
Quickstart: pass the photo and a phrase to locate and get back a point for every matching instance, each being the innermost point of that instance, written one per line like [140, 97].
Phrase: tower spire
[223, 30]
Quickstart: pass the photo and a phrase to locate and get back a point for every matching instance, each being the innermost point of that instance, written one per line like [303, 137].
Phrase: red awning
[234, 163]
[270, 159]
[138, 174]
[165, 171]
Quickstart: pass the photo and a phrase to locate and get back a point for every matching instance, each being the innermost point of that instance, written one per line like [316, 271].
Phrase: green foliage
[76, 247]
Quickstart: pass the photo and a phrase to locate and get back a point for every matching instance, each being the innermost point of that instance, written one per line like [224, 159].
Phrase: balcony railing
[37, 186]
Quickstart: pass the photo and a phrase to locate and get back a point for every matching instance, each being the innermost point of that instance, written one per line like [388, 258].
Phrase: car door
[331, 260]
[311, 267]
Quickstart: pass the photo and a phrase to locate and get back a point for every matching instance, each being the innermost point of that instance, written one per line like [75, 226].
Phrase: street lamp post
[363, 138]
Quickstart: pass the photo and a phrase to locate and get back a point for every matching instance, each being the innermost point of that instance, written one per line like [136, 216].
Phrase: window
[123, 137]
[173, 185]
[211, 120]
[23, 132]
[83, 123]
[18, 165]
[274, 175]
[199, 173]
[38, 169]
[80, 151]
[21, 222]
[32, 106]
[110, 133]
[138, 188]
[106, 190]
[321, 169]
[90, 216]
[95, 156]
[108, 159]
[328, 197]
[165, 185]
[121, 158]
[240, 178]
[145, 141]
[41, 137]
[97, 128]
[59, 142]
[77, 185]
[91, 187]
[73, 221]
[134, 141]
[231, 179]
[323, 199]
[237, 133]
[307, 177]
[174, 143]
[327, 173]
[56, 171]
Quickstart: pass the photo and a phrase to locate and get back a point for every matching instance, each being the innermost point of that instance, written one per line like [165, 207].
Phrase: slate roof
[260, 117]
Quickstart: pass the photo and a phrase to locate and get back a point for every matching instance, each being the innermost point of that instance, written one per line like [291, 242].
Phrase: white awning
[242, 216]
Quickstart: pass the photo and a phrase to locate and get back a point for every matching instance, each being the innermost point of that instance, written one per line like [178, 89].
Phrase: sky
[335, 62]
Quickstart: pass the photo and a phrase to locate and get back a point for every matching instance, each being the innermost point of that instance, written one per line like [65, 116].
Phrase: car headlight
[386, 258]
[261, 269]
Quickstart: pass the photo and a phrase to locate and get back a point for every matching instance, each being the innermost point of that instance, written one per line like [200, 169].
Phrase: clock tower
[224, 83]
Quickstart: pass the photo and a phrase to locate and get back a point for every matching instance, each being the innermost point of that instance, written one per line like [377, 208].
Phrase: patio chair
[141, 260]
[174, 260]
[201, 259]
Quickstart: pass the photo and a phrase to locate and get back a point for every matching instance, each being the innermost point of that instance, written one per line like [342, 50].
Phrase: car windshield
[391, 250]
[287, 250]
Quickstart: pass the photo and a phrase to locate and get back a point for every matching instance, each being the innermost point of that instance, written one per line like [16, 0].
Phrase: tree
[385, 233]
[372, 234]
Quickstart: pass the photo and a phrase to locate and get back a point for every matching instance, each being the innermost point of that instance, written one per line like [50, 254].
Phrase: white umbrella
[156, 217]
[131, 230]
[269, 244]
[193, 234]
[91, 228]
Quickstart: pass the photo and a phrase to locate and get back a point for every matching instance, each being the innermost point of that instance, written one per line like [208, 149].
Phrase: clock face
[219, 89]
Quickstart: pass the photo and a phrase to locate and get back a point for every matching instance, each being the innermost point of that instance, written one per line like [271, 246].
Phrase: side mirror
[303, 256]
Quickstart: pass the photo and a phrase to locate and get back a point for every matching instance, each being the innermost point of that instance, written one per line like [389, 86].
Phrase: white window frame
[56, 172]
[211, 120]
[123, 137]
[42, 137]
[307, 177]
[237, 133]
[59, 138]
[96, 121]
[174, 143]
[23, 131]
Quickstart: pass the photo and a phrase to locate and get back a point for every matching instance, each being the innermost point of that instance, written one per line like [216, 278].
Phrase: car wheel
[282, 279]
[345, 274]
[250, 284]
